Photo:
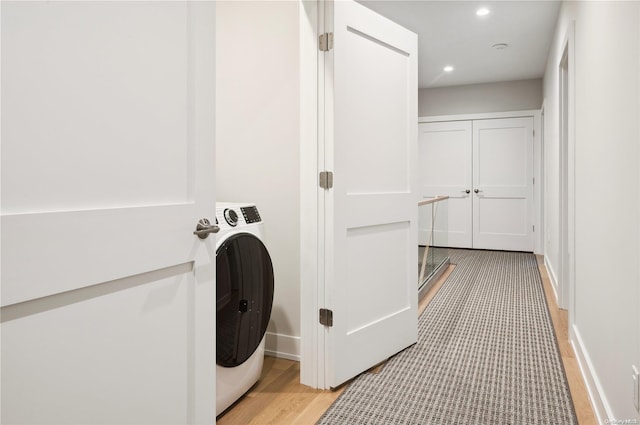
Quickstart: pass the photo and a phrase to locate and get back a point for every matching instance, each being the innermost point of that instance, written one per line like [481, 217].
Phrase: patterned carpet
[486, 355]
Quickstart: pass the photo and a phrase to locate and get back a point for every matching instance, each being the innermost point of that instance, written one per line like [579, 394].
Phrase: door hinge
[325, 42]
[326, 179]
[534, 228]
[326, 317]
[534, 133]
[534, 180]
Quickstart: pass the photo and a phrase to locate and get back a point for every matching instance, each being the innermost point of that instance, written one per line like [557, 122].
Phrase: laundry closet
[258, 142]
[260, 159]
[485, 167]
[488, 163]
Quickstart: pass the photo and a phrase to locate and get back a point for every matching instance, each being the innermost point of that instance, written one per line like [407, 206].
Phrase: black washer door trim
[244, 297]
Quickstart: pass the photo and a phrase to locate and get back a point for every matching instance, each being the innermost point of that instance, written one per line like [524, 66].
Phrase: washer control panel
[250, 214]
[234, 216]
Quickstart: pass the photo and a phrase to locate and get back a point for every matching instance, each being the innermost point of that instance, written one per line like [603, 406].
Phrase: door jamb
[567, 177]
[312, 343]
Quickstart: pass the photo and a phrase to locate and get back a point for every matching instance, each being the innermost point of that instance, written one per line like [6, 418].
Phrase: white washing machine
[244, 297]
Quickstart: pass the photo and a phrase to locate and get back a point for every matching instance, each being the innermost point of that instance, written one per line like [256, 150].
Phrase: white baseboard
[283, 346]
[553, 278]
[599, 403]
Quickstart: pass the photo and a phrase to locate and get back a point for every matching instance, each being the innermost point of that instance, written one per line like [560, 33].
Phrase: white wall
[479, 98]
[257, 142]
[605, 331]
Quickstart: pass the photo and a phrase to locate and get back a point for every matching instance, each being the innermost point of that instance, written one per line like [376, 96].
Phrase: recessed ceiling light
[448, 68]
[483, 11]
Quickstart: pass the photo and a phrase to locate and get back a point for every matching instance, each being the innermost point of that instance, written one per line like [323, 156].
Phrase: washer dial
[231, 217]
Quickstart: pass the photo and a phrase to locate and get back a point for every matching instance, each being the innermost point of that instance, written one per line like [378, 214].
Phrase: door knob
[204, 227]
[476, 190]
[467, 191]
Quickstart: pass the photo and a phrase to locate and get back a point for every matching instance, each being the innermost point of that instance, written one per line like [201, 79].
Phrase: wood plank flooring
[560, 319]
[279, 398]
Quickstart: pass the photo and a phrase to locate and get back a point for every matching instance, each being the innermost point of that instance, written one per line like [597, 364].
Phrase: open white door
[108, 311]
[371, 211]
[503, 184]
[445, 170]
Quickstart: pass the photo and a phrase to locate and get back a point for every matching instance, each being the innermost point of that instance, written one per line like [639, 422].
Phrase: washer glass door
[244, 276]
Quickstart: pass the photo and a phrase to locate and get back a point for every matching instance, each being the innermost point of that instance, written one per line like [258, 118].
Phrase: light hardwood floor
[279, 398]
[560, 318]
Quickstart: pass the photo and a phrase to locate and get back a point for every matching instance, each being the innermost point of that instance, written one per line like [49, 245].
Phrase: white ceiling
[450, 33]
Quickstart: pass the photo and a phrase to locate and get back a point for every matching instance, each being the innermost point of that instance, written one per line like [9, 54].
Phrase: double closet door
[486, 169]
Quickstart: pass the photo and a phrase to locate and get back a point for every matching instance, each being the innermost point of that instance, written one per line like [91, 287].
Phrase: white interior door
[108, 312]
[445, 170]
[503, 184]
[371, 211]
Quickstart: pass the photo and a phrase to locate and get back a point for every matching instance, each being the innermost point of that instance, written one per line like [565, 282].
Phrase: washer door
[244, 278]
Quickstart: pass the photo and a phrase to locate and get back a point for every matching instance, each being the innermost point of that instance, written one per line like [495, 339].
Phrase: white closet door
[445, 169]
[503, 184]
[371, 212]
[108, 312]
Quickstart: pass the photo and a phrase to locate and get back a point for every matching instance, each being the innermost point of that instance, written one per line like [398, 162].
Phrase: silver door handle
[467, 191]
[204, 227]
[477, 191]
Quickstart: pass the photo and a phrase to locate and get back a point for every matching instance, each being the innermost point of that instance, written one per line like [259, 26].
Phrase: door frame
[312, 338]
[567, 148]
[537, 213]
